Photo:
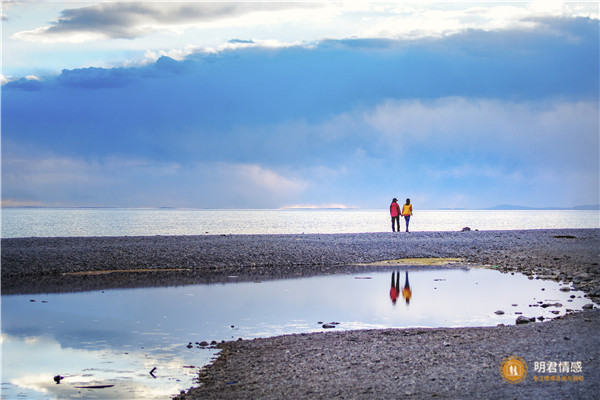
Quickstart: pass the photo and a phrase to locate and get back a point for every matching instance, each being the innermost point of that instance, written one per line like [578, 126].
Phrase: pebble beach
[391, 363]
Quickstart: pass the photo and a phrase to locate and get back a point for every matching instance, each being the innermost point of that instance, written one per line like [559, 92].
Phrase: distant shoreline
[503, 207]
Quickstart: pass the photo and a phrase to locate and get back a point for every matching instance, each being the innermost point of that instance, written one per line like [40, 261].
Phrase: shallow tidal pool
[148, 343]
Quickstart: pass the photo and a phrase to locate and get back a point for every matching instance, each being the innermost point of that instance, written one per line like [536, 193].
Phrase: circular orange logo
[513, 369]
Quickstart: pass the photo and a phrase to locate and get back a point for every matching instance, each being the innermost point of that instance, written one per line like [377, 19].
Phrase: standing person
[395, 213]
[406, 213]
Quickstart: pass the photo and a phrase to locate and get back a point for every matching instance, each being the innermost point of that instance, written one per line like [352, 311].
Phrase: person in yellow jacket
[407, 212]
[406, 292]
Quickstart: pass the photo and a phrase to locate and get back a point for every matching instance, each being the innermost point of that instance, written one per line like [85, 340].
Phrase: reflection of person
[395, 213]
[406, 292]
[406, 213]
[395, 290]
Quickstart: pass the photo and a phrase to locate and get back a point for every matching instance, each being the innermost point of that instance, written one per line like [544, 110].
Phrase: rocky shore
[414, 363]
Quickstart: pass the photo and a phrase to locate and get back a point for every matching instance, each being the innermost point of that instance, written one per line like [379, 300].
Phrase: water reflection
[406, 292]
[117, 337]
[395, 289]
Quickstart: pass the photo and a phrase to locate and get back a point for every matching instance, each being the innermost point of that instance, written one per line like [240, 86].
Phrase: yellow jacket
[406, 210]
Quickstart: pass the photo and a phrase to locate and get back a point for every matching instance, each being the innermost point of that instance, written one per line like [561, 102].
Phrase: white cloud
[257, 178]
[417, 20]
[129, 20]
[143, 183]
[555, 128]
[180, 54]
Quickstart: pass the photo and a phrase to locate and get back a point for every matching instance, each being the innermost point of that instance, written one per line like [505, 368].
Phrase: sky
[295, 104]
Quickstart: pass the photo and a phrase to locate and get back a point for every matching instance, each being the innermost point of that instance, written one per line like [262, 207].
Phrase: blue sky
[269, 105]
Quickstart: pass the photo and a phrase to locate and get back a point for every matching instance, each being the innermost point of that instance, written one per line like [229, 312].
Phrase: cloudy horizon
[271, 105]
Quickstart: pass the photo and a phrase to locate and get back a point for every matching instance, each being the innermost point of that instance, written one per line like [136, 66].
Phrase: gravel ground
[417, 363]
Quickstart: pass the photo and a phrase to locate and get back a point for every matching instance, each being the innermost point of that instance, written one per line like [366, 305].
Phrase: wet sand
[414, 363]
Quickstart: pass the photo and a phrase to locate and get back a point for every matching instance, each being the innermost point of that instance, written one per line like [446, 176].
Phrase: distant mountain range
[509, 207]
[512, 207]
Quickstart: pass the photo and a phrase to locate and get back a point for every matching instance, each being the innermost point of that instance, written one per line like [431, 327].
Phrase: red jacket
[394, 210]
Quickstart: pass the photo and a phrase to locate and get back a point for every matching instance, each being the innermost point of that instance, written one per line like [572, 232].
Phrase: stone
[565, 289]
[499, 312]
[588, 307]
[524, 320]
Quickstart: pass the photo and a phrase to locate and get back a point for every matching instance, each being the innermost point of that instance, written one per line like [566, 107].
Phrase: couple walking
[395, 212]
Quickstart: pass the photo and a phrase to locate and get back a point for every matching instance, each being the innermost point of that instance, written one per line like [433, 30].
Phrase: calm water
[30, 222]
[116, 337]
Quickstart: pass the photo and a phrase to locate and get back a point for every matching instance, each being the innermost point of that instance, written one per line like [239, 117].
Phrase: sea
[69, 222]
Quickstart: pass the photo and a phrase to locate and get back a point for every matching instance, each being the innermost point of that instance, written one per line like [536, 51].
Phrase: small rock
[328, 326]
[555, 312]
[524, 320]
[466, 229]
[588, 307]
[541, 318]
[499, 312]
[565, 289]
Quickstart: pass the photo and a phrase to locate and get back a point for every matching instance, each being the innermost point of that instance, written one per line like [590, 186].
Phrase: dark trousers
[397, 220]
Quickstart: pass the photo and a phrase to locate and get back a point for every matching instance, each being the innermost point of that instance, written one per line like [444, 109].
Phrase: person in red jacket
[395, 290]
[395, 213]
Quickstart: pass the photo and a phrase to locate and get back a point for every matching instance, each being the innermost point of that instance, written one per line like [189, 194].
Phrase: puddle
[116, 338]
